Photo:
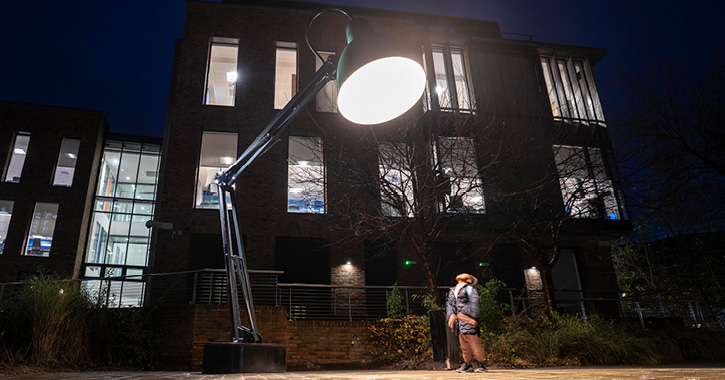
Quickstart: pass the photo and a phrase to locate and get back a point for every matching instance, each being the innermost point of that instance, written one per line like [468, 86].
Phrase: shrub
[491, 313]
[45, 322]
[51, 321]
[404, 341]
[395, 302]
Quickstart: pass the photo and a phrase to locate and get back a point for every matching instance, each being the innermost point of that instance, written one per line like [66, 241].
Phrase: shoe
[480, 367]
[465, 367]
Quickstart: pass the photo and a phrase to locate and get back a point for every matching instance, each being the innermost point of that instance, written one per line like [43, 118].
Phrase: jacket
[466, 303]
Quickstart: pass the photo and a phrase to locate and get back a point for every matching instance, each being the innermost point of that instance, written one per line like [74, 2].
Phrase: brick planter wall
[310, 344]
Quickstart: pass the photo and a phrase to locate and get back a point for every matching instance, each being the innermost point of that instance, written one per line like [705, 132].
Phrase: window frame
[220, 41]
[432, 100]
[572, 97]
[14, 156]
[598, 182]
[60, 157]
[323, 173]
[289, 46]
[445, 180]
[221, 167]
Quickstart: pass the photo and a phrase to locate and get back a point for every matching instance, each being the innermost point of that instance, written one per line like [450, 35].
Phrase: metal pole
[193, 292]
[584, 312]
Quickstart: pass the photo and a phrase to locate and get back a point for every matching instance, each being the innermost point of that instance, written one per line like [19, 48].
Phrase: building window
[118, 244]
[285, 74]
[305, 176]
[218, 151]
[458, 177]
[42, 227]
[17, 157]
[6, 212]
[571, 89]
[327, 98]
[586, 189]
[221, 77]
[66, 166]
[451, 86]
[396, 186]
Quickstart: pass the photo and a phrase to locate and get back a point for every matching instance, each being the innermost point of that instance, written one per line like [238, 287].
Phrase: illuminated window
[17, 157]
[6, 212]
[285, 74]
[327, 97]
[451, 86]
[305, 176]
[586, 189]
[571, 90]
[458, 177]
[66, 165]
[396, 186]
[218, 151]
[40, 238]
[118, 243]
[221, 79]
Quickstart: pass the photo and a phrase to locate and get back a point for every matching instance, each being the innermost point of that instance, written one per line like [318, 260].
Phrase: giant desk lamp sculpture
[377, 81]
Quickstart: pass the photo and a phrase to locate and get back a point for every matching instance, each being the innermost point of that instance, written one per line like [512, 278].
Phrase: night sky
[116, 56]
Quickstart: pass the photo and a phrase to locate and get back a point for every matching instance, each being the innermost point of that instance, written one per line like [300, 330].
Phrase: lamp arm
[235, 262]
[269, 136]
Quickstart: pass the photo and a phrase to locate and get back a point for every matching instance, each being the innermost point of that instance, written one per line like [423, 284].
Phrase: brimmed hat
[467, 278]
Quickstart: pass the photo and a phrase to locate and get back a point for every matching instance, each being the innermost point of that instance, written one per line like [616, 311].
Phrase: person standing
[462, 307]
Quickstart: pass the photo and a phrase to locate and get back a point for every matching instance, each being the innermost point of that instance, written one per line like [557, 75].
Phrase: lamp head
[377, 78]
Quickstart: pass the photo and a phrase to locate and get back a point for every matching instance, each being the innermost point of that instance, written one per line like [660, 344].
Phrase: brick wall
[310, 344]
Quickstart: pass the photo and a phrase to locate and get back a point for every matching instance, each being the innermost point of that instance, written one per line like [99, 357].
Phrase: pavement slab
[709, 372]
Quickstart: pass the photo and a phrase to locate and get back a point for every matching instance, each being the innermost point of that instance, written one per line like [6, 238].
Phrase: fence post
[639, 313]
[407, 304]
[193, 292]
[584, 312]
[511, 300]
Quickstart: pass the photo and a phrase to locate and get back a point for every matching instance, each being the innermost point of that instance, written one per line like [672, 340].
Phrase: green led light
[407, 262]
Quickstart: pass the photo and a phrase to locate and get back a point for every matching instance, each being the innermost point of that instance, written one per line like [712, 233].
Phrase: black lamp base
[228, 357]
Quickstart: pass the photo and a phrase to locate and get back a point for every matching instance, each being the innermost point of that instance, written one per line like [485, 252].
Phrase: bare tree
[674, 146]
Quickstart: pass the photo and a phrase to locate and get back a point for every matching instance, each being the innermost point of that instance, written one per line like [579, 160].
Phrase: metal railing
[335, 302]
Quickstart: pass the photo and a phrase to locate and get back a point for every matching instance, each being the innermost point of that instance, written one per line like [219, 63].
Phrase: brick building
[508, 144]
[505, 163]
[46, 192]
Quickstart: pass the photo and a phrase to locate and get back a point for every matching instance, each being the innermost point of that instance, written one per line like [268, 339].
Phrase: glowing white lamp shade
[377, 80]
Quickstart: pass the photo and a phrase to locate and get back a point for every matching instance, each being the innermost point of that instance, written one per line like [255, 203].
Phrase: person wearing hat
[462, 311]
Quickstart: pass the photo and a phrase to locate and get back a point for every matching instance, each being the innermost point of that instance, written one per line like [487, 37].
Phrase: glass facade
[118, 245]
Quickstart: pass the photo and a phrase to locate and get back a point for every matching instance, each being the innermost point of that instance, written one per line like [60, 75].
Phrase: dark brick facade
[48, 126]
[507, 82]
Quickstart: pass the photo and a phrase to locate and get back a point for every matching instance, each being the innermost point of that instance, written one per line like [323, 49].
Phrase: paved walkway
[590, 373]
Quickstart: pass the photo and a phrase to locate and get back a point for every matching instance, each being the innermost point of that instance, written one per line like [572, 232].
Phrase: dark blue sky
[116, 56]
